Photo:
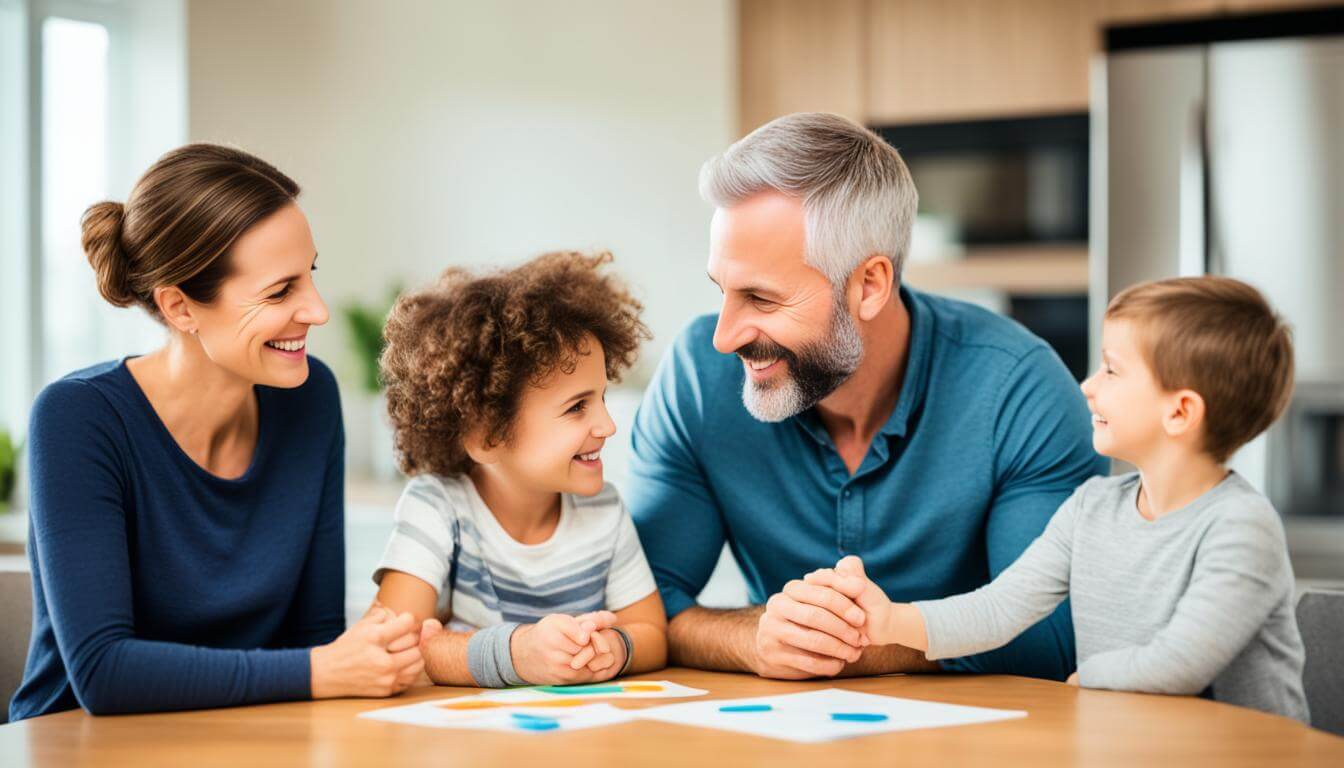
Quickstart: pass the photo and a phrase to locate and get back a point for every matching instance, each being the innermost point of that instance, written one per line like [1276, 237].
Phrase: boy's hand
[849, 579]
[1073, 679]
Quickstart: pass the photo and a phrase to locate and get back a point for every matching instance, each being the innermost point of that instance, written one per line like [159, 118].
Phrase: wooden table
[1065, 726]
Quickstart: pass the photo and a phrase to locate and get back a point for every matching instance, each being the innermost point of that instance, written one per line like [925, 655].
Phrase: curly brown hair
[460, 353]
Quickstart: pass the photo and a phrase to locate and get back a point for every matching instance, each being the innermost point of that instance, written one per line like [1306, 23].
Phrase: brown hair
[460, 353]
[179, 222]
[1220, 338]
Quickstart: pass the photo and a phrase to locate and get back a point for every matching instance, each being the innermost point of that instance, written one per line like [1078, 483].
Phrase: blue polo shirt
[990, 434]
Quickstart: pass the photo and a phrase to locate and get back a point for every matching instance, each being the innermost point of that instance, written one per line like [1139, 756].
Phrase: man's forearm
[713, 638]
[885, 659]
[724, 641]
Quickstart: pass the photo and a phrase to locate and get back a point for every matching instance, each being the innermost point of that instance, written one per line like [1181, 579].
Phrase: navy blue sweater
[159, 586]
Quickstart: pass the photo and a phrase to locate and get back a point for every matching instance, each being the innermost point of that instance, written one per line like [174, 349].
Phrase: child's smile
[558, 433]
[591, 460]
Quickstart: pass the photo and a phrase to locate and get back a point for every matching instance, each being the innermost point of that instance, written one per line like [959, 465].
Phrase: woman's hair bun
[101, 237]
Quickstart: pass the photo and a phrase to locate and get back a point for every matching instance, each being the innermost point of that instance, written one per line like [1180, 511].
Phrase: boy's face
[560, 428]
[1128, 405]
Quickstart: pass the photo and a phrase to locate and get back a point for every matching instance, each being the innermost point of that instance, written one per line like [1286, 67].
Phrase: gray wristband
[490, 659]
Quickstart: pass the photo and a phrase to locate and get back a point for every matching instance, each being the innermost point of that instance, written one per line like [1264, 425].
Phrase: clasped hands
[820, 623]
[561, 649]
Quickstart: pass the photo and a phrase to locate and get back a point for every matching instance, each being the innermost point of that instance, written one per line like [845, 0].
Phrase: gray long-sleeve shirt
[1198, 599]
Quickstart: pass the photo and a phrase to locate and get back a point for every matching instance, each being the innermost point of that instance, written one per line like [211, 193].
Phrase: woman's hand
[379, 655]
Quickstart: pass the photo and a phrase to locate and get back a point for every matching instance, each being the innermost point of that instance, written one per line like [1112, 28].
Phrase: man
[827, 411]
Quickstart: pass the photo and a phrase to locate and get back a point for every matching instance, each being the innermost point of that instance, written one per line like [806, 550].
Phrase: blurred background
[1063, 149]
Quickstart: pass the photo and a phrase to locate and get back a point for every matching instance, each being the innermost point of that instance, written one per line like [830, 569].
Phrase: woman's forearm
[130, 675]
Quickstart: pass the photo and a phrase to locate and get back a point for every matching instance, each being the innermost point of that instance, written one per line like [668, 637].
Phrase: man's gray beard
[823, 366]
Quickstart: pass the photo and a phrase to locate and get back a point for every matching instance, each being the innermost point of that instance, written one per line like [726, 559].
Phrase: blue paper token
[746, 708]
[532, 718]
[858, 717]
[537, 725]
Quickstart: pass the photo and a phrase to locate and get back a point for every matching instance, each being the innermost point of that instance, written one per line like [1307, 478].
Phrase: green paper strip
[579, 690]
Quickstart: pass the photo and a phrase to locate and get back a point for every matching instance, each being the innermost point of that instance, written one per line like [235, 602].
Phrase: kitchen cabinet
[801, 56]
[903, 61]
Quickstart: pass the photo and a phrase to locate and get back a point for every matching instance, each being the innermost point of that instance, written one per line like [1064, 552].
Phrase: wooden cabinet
[1137, 11]
[801, 56]
[902, 61]
[961, 59]
[1249, 6]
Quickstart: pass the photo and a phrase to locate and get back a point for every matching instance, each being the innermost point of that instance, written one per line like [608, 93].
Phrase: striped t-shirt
[592, 562]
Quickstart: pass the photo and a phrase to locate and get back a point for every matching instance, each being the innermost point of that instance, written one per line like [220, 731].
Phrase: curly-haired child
[506, 532]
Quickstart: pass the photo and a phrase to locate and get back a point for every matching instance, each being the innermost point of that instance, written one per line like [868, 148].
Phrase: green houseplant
[9, 460]
[365, 323]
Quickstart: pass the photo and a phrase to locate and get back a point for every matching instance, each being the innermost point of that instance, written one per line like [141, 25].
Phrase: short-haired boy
[1178, 573]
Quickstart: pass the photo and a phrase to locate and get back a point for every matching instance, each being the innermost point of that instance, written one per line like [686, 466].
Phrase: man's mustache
[761, 350]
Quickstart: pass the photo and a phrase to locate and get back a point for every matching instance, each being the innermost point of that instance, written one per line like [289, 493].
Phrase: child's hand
[849, 579]
[544, 653]
[608, 654]
[605, 654]
[1073, 679]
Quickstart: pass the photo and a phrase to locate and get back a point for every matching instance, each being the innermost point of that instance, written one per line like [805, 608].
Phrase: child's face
[1127, 403]
[560, 428]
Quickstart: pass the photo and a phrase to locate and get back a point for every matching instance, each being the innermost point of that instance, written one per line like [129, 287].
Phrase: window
[74, 174]
[91, 92]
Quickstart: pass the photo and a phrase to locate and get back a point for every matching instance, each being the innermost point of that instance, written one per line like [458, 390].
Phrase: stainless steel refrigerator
[1218, 147]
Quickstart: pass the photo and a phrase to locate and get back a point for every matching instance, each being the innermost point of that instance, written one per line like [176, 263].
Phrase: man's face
[780, 316]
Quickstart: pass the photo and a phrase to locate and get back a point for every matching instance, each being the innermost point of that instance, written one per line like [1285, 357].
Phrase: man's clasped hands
[822, 622]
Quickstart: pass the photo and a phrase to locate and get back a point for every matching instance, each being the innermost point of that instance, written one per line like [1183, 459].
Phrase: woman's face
[257, 327]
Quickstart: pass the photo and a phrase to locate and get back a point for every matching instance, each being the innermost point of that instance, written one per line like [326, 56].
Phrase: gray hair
[858, 197]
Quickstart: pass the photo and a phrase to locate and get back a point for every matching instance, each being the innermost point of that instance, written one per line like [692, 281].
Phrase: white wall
[435, 133]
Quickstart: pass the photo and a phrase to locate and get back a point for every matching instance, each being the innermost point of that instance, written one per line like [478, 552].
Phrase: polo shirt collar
[918, 362]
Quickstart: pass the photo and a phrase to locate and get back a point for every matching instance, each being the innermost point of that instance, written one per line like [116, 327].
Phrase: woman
[187, 505]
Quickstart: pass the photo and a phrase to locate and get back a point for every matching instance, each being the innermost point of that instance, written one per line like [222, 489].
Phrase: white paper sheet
[513, 719]
[570, 707]
[806, 717]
